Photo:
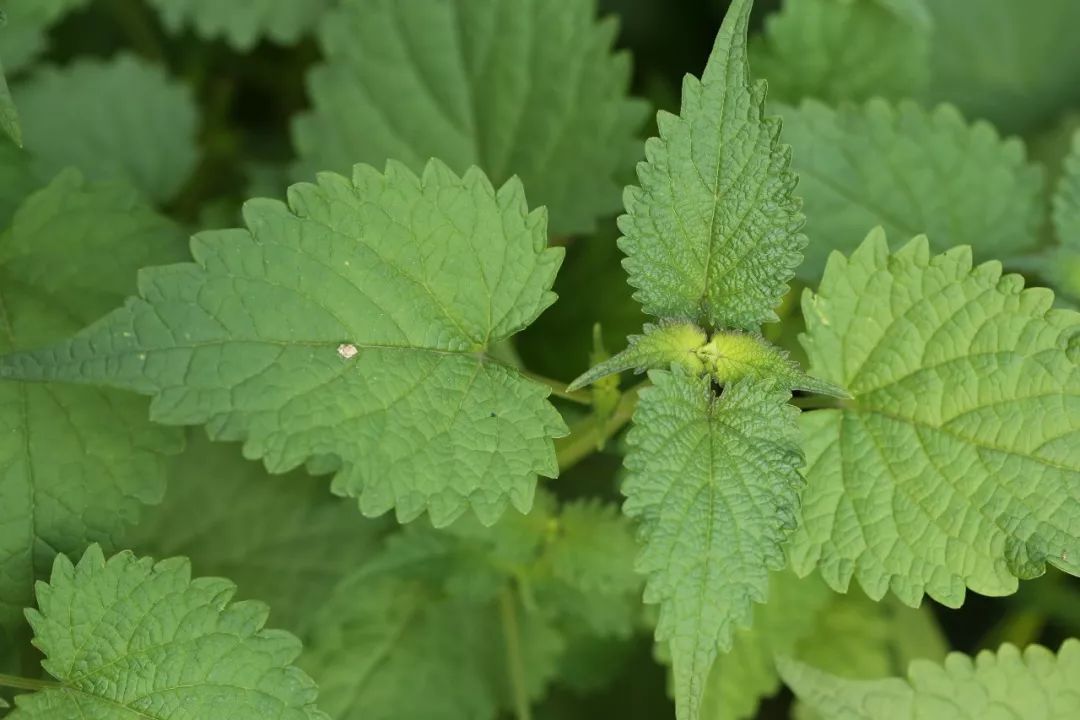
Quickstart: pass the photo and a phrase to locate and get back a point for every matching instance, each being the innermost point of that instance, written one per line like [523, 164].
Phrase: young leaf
[530, 88]
[911, 171]
[120, 119]
[714, 482]
[837, 50]
[23, 37]
[351, 323]
[1033, 684]
[242, 23]
[1012, 63]
[281, 538]
[711, 235]
[76, 463]
[130, 638]
[9, 115]
[958, 461]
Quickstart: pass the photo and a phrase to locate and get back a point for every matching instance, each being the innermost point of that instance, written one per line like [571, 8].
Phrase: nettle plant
[388, 326]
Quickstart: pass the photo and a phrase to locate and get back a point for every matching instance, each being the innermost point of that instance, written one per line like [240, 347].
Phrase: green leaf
[711, 235]
[120, 119]
[17, 179]
[129, 638]
[714, 482]
[1062, 265]
[385, 635]
[242, 23]
[957, 464]
[1012, 63]
[76, 463]
[1034, 685]
[23, 38]
[281, 538]
[350, 324]
[837, 50]
[911, 171]
[531, 89]
[9, 115]
[463, 608]
[747, 673]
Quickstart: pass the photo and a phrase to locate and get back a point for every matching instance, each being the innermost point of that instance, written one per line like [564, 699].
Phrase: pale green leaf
[120, 119]
[9, 115]
[23, 38]
[747, 673]
[1033, 684]
[530, 88]
[714, 482]
[912, 171]
[351, 325]
[242, 23]
[281, 538]
[1013, 63]
[837, 50]
[957, 464]
[711, 235]
[76, 463]
[129, 639]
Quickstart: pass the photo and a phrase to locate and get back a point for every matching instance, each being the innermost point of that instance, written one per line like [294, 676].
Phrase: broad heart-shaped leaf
[128, 639]
[120, 119]
[9, 115]
[282, 539]
[242, 23]
[528, 87]
[714, 482]
[1014, 66]
[76, 463]
[838, 50]
[912, 171]
[351, 324]
[23, 38]
[711, 235]
[958, 461]
[1033, 684]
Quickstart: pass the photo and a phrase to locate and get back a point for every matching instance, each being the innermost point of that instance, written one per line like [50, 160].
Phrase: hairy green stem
[586, 434]
[14, 681]
[514, 661]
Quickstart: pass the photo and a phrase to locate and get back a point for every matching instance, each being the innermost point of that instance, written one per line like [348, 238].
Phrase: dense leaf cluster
[409, 226]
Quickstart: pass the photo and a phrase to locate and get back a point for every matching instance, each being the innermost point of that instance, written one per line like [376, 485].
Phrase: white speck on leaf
[347, 351]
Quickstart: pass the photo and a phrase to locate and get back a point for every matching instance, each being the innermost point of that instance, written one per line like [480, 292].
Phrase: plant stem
[14, 681]
[515, 664]
[586, 434]
[558, 389]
